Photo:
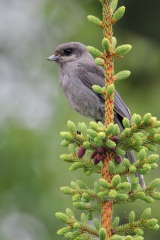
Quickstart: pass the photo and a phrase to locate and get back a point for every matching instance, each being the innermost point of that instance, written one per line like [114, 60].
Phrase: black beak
[53, 58]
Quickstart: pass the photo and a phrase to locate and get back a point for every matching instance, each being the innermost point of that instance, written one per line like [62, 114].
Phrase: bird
[78, 72]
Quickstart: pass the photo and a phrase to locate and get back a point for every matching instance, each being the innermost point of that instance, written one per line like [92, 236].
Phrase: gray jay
[78, 73]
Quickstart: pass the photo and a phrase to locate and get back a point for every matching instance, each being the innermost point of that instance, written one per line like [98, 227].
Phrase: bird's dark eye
[67, 52]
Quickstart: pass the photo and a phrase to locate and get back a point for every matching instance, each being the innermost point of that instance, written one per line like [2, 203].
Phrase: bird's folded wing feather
[94, 75]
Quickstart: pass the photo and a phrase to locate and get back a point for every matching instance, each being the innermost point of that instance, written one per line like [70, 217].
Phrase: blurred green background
[34, 110]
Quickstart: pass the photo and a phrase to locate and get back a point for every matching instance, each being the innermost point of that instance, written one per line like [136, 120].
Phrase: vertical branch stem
[106, 216]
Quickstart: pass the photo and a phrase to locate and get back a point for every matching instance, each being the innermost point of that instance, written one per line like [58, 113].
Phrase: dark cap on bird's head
[68, 52]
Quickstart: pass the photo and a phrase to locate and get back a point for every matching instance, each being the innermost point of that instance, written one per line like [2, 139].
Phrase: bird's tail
[130, 155]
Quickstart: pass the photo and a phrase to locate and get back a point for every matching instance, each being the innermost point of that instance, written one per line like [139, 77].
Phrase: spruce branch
[135, 227]
[102, 149]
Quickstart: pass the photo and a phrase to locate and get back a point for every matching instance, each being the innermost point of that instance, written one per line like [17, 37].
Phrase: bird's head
[68, 52]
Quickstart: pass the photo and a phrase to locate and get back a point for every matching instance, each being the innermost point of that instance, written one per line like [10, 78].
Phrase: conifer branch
[102, 148]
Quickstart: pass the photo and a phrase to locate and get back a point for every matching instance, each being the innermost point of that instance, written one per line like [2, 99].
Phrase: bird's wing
[91, 74]
[120, 107]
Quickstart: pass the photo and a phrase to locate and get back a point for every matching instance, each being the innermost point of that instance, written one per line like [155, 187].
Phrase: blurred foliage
[34, 110]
